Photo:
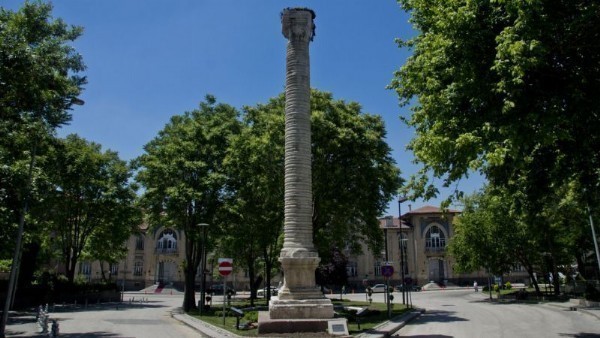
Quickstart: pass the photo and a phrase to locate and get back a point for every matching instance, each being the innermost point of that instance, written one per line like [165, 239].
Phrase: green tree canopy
[182, 171]
[255, 168]
[39, 82]
[496, 233]
[510, 88]
[354, 175]
[90, 197]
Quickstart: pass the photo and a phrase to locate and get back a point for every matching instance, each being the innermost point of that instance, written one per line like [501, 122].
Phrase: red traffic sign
[225, 268]
[387, 271]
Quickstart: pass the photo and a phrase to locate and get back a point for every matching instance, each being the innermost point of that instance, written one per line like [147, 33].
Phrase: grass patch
[375, 315]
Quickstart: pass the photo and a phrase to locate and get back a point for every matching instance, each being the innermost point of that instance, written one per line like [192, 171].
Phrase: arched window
[435, 238]
[167, 241]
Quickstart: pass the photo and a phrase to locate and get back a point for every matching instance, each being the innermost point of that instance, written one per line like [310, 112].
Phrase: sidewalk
[23, 324]
[571, 306]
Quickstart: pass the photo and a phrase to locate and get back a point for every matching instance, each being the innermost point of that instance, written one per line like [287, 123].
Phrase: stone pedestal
[268, 325]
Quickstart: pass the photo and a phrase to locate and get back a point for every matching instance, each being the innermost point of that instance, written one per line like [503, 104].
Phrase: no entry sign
[387, 271]
[225, 266]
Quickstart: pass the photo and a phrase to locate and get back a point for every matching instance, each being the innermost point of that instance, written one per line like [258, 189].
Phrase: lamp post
[204, 226]
[400, 200]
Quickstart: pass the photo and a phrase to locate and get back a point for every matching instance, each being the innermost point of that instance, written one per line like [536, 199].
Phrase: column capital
[297, 24]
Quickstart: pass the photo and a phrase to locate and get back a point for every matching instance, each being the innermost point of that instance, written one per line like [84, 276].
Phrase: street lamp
[204, 226]
[400, 200]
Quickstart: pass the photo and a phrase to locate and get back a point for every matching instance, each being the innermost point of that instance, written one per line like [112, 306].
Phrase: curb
[386, 329]
[578, 309]
[201, 326]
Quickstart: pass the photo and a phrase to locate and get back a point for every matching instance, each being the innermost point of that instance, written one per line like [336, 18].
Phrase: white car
[262, 292]
[378, 288]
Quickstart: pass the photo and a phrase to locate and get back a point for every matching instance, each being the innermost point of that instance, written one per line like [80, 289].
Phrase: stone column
[299, 297]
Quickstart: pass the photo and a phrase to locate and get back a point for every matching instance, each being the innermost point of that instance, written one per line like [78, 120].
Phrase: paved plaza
[451, 311]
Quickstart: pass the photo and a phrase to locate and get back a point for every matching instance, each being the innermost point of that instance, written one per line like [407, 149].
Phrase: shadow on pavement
[20, 318]
[581, 335]
[429, 336]
[91, 335]
[106, 307]
[439, 317]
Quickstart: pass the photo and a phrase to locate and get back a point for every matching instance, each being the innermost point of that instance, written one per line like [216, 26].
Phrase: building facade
[416, 246]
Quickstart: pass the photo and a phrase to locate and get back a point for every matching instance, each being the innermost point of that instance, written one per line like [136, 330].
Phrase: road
[151, 318]
[464, 313]
[461, 313]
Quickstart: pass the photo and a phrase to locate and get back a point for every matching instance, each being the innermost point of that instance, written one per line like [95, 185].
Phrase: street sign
[387, 271]
[225, 266]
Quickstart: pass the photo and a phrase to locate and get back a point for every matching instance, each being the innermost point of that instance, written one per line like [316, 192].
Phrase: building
[417, 245]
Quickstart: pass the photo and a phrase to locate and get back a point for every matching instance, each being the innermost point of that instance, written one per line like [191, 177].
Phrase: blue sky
[149, 60]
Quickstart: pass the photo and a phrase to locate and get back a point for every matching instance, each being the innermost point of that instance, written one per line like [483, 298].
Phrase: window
[377, 268]
[114, 269]
[351, 269]
[85, 268]
[138, 268]
[402, 246]
[167, 242]
[139, 242]
[435, 240]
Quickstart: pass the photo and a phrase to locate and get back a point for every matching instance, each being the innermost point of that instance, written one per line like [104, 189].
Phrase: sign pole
[224, 292]
[225, 268]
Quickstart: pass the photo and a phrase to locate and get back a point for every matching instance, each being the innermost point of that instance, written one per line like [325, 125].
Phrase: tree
[509, 88]
[39, 84]
[91, 197]
[255, 168]
[491, 234]
[334, 272]
[182, 171]
[354, 175]
[496, 232]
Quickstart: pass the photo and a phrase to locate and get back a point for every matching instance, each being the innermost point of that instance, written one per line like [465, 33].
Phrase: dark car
[400, 287]
[217, 289]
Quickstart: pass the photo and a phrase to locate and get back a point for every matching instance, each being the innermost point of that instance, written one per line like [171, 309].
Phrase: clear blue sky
[148, 60]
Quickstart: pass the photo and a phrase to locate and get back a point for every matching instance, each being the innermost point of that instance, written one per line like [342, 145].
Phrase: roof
[383, 223]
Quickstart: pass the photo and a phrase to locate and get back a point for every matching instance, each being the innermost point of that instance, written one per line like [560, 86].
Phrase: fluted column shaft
[298, 29]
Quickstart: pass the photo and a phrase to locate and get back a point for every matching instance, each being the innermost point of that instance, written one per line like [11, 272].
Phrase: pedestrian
[475, 286]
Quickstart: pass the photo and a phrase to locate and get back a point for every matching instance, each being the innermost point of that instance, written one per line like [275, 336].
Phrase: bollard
[55, 329]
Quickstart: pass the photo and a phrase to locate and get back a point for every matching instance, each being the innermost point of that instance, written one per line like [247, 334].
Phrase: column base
[301, 309]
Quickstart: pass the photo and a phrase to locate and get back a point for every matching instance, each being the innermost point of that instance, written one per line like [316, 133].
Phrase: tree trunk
[70, 264]
[252, 277]
[268, 266]
[192, 255]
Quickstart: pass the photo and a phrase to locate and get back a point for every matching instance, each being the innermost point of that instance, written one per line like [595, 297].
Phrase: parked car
[217, 289]
[378, 288]
[263, 292]
[399, 287]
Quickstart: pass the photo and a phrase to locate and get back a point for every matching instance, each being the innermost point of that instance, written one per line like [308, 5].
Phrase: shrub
[507, 286]
[5, 265]
[591, 293]
[251, 316]
[496, 288]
